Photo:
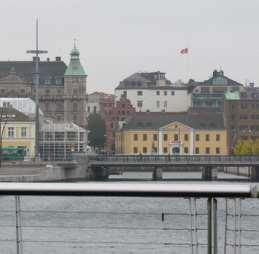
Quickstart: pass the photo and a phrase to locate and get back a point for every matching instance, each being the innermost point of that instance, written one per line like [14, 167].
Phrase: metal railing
[176, 158]
[51, 224]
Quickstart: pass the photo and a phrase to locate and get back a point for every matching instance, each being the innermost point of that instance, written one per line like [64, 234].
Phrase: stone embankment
[43, 171]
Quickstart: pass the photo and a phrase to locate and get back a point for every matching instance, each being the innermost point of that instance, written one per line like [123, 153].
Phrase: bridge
[104, 165]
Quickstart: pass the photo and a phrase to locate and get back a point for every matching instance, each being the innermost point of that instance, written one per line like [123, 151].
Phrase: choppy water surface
[76, 225]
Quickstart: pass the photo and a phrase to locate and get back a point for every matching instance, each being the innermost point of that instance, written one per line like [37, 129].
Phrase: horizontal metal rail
[174, 159]
[133, 189]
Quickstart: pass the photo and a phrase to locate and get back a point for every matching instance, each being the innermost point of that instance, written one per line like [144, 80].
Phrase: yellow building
[18, 130]
[173, 133]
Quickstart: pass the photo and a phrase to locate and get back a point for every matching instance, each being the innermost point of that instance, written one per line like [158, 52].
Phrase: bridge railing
[37, 230]
[176, 158]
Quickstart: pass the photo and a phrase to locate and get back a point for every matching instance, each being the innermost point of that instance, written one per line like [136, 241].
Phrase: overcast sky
[119, 37]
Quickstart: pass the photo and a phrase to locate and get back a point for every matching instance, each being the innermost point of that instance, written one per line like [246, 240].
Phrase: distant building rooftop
[218, 79]
[155, 120]
[149, 80]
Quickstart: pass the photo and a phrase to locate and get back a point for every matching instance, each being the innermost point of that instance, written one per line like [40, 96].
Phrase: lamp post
[36, 83]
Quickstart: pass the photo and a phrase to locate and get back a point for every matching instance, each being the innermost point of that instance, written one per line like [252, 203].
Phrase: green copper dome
[75, 68]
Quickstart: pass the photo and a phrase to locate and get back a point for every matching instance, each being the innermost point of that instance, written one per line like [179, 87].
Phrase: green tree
[96, 127]
[247, 147]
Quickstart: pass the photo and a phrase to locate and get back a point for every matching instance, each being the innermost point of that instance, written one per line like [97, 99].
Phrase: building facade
[112, 112]
[18, 130]
[152, 92]
[179, 134]
[241, 113]
[62, 89]
[209, 94]
[59, 140]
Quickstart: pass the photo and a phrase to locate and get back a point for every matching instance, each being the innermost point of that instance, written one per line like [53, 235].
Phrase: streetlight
[36, 82]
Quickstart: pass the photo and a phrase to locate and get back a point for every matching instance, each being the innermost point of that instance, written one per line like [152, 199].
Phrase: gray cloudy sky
[119, 37]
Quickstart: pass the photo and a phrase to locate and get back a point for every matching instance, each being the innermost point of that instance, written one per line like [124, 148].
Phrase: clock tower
[75, 90]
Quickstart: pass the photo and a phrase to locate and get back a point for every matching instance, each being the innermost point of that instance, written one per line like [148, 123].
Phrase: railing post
[212, 226]
[18, 225]
[209, 233]
[215, 228]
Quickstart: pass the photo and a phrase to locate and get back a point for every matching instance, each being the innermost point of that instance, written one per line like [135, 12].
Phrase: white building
[151, 91]
[58, 140]
[25, 105]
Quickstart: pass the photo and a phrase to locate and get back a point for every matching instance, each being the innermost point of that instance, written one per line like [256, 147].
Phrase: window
[172, 93]
[140, 104]
[158, 104]
[243, 105]
[217, 137]
[243, 117]
[197, 137]
[155, 137]
[10, 132]
[207, 150]
[88, 109]
[165, 104]
[125, 93]
[58, 81]
[144, 149]
[135, 150]
[75, 108]
[139, 93]
[144, 137]
[186, 137]
[176, 137]
[47, 81]
[165, 93]
[186, 150]
[23, 131]
[154, 149]
[207, 138]
[165, 149]
[95, 109]
[157, 92]
[217, 150]
[135, 137]
[165, 137]
[197, 150]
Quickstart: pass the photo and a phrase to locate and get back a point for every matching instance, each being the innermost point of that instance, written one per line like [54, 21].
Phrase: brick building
[113, 112]
[241, 113]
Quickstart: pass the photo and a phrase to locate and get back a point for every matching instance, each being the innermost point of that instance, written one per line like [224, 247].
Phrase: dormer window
[47, 81]
[58, 81]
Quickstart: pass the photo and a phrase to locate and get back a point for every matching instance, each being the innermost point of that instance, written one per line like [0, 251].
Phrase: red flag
[184, 51]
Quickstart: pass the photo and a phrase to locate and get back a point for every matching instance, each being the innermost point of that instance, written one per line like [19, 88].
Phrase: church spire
[75, 68]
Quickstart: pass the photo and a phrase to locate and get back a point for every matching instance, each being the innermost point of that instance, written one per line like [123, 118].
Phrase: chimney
[58, 59]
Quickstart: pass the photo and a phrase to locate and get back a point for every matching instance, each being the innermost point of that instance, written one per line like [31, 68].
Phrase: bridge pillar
[99, 173]
[157, 174]
[209, 173]
[255, 174]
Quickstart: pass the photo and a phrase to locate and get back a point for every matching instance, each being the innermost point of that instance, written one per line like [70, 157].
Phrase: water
[97, 225]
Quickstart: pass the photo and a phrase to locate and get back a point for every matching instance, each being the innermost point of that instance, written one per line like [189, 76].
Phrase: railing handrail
[132, 189]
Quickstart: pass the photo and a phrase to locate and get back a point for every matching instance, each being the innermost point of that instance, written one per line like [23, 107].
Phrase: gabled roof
[156, 120]
[10, 114]
[24, 69]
